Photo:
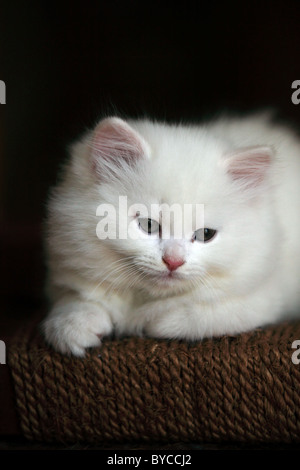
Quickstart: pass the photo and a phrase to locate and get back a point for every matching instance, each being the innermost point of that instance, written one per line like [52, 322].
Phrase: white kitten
[239, 271]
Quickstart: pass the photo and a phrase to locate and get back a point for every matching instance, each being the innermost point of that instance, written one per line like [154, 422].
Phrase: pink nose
[172, 263]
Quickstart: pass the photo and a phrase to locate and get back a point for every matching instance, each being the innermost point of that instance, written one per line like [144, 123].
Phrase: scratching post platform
[233, 389]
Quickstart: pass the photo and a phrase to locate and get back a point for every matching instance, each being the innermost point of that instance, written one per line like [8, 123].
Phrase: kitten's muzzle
[173, 263]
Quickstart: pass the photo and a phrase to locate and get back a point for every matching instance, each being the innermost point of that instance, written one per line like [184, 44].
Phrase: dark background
[65, 64]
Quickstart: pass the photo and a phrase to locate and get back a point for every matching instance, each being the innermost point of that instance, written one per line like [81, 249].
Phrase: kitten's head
[141, 173]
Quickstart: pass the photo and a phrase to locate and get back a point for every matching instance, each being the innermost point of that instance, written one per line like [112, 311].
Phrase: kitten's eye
[204, 235]
[149, 226]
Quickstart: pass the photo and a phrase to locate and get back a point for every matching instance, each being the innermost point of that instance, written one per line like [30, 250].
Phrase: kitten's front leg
[74, 325]
[175, 317]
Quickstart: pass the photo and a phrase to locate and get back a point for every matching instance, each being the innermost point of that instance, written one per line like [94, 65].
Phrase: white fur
[246, 277]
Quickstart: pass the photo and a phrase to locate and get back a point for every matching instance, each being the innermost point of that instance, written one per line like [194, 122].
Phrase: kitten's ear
[114, 145]
[249, 166]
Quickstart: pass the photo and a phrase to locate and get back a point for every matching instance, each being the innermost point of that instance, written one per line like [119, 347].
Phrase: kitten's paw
[72, 327]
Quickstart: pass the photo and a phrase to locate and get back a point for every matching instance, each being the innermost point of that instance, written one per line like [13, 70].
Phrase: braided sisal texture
[243, 388]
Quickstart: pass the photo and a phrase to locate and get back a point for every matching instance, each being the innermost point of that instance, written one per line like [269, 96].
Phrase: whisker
[126, 272]
[109, 272]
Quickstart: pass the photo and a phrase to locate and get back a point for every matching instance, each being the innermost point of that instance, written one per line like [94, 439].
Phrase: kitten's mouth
[172, 281]
[167, 277]
[167, 281]
[170, 276]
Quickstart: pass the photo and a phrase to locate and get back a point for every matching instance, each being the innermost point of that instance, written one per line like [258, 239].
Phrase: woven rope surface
[243, 388]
